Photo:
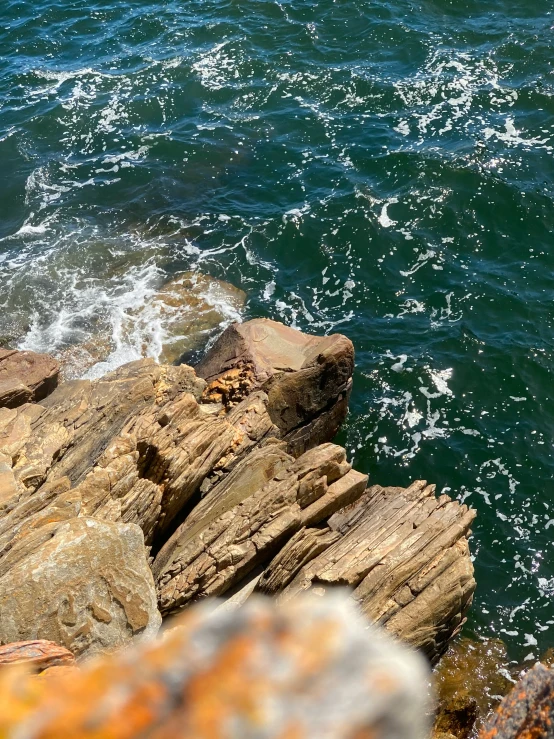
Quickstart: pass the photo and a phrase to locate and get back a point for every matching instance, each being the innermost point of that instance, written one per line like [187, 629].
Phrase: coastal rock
[242, 526]
[309, 669]
[82, 583]
[405, 554]
[307, 378]
[38, 654]
[528, 711]
[67, 433]
[26, 377]
[175, 320]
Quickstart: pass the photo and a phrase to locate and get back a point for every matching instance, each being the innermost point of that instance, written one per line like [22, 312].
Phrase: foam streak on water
[380, 168]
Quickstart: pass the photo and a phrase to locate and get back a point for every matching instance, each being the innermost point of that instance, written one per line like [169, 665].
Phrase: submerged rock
[177, 319]
[471, 679]
[309, 669]
[26, 377]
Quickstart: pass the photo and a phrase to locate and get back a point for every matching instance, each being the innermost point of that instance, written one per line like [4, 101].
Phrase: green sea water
[382, 168]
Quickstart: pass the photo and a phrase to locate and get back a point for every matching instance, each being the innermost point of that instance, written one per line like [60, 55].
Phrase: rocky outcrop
[38, 655]
[528, 711]
[307, 378]
[234, 485]
[309, 669]
[81, 583]
[26, 377]
[404, 553]
[236, 531]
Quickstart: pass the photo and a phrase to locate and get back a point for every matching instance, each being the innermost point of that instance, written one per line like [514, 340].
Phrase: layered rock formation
[223, 480]
[309, 669]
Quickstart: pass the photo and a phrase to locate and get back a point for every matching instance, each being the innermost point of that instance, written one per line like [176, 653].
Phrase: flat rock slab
[26, 377]
[308, 670]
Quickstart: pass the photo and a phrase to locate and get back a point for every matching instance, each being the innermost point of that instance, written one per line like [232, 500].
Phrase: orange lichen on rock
[528, 711]
[309, 669]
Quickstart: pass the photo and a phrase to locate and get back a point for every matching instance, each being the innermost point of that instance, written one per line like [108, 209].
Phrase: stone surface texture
[311, 668]
[26, 377]
[307, 378]
[527, 712]
[83, 584]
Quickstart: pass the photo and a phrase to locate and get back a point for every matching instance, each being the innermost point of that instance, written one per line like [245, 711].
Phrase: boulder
[83, 584]
[309, 669]
[38, 654]
[26, 377]
[174, 321]
[527, 712]
[404, 553]
[308, 379]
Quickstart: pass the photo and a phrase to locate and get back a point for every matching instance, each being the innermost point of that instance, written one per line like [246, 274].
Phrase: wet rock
[38, 654]
[176, 320]
[26, 377]
[470, 681]
[528, 711]
[309, 669]
[81, 583]
[307, 378]
[404, 553]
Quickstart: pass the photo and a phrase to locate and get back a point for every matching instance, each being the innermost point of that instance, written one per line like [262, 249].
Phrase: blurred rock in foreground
[310, 668]
[528, 711]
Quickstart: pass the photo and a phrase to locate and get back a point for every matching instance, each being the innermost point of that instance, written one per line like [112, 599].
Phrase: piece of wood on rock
[528, 711]
[38, 654]
[26, 377]
[405, 554]
[309, 669]
[307, 378]
[82, 583]
[243, 522]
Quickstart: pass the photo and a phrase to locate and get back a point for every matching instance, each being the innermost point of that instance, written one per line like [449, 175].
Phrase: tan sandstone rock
[307, 378]
[82, 583]
[26, 377]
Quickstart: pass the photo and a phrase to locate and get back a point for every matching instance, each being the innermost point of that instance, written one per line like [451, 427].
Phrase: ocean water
[382, 168]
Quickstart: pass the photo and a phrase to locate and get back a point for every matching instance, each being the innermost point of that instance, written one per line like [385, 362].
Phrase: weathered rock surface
[38, 655]
[528, 711]
[404, 553]
[238, 528]
[217, 479]
[26, 377]
[308, 669]
[307, 378]
[82, 583]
